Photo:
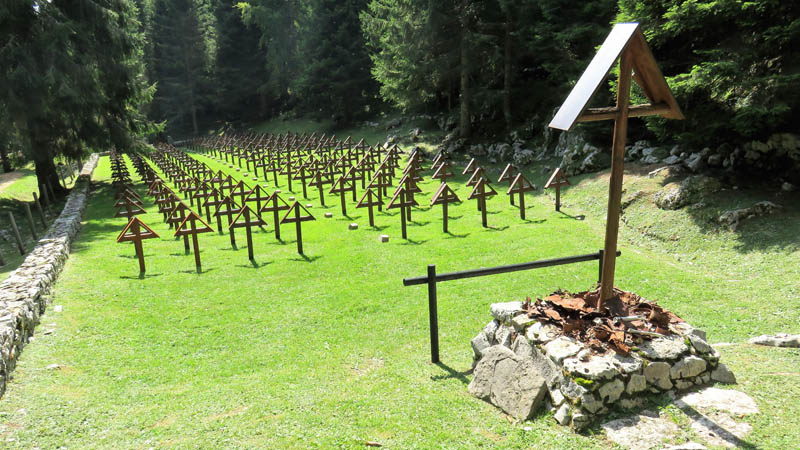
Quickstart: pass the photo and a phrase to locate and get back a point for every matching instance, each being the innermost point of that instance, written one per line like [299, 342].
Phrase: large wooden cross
[293, 215]
[520, 185]
[444, 196]
[136, 231]
[189, 226]
[244, 220]
[636, 62]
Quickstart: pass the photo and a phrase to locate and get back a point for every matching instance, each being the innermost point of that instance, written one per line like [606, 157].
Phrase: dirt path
[7, 178]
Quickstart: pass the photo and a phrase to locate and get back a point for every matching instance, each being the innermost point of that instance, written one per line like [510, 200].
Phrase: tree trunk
[6, 160]
[46, 168]
[464, 122]
[507, 67]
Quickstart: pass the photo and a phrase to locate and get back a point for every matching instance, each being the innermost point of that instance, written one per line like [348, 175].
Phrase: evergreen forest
[95, 74]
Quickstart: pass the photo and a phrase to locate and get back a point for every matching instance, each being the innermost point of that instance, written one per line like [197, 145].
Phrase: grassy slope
[11, 198]
[332, 351]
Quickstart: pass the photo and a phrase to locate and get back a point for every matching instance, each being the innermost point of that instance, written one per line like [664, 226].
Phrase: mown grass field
[331, 351]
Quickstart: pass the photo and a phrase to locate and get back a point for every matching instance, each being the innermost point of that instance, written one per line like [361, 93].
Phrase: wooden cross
[258, 195]
[189, 226]
[303, 174]
[480, 193]
[410, 185]
[176, 217]
[508, 175]
[242, 220]
[214, 199]
[626, 43]
[520, 185]
[477, 175]
[166, 202]
[318, 182]
[369, 200]
[228, 207]
[278, 204]
[340, 187]
[201, 195]
[401, 200]
[129, 207]
[293, 216]
[133, 232]
[556, 180]
[443, 172]
[443, 196]
[470, 167]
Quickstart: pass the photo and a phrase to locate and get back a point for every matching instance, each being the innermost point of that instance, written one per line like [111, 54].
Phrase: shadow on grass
[306, 258]
[195, 271]
[141, 276]
[535, 221]
[413, 242]
[420, 223]
[451, 235]
[452, 374]
[254, 264]
[567, 216]
[491, 228]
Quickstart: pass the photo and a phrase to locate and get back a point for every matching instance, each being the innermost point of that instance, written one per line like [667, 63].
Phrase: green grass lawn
[330, 350]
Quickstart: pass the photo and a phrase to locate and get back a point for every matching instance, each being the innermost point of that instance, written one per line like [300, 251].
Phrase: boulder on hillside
[691, 190]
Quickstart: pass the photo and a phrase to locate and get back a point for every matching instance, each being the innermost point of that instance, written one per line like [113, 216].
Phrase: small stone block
[309, 205]
[255, 178]
[352, 226]
[328, 215]
[277, 191]
[245, 174]
[238, 169]
[291, 199]
[383, 238]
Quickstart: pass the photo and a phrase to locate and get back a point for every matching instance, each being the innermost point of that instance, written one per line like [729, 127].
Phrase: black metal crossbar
[432, 278]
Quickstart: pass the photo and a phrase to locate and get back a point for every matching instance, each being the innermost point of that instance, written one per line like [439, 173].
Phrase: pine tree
[182, 62]
[240, 68]
[70, 76]
[335, 79]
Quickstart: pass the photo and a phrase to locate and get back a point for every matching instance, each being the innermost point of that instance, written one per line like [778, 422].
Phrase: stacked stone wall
[24, 295]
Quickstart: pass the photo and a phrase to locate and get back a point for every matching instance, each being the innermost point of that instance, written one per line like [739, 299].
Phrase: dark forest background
[91, 74]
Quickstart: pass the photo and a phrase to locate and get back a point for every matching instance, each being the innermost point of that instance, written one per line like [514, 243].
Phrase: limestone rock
[720, 430]
[580, 420]
[636, 384]
[503, 335]
[640, 432]
[596, 368]
[557, 397]
[505, 311]
[544, 366]
[700, 344]
[723, 374]
[734, 402]
[521, 321]
[508, 382]
[689, 191]
[590, 403]
[542, 332]
[611, 391]
[682, 385]
[665, 348]
[562, 348]
[657, 374]
[733, 218]
[626, 364]
[562, 416]
[688, 367]
[688, 446]
[479, 344]
[777, 340]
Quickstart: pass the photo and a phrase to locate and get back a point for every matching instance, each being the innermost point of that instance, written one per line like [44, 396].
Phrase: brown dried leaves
[578, 317]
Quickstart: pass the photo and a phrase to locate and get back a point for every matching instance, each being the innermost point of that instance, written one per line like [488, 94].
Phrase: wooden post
[16, 233]
[615, 184]
[52, 193]
[31, 224]
[39, 209]
[46, 198]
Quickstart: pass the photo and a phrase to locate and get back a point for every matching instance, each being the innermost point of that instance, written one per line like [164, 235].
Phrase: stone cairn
[521, 363]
